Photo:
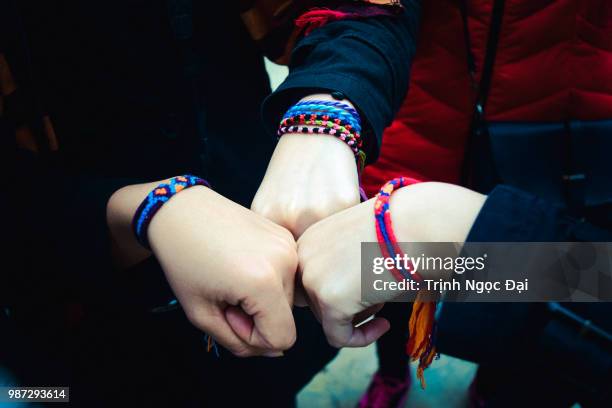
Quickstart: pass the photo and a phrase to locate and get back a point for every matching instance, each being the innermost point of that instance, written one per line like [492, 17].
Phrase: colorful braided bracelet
[154, 201]
[335, 104]
[422, 325]
[345, 137]
[321, 124]
[336, 108]
[384, 228]
[348, 138]
[330, 117]
[320, 120]
[336, 113]
[322, 106]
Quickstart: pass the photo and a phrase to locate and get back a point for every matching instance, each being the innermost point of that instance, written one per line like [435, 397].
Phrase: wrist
[315, 148]
[126, 251]
[131, 209]
[178, 212]
[156, 199]
[434, 212]
[324, 160]
[323, 114]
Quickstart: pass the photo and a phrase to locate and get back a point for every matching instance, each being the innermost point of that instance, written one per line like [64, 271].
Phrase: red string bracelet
[422, 325]
[384, 228]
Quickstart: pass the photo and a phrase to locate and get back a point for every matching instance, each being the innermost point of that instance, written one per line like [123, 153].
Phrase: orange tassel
[421, 326]
[209, 344]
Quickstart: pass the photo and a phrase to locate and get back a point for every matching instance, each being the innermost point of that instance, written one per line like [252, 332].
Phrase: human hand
[309, 177]
[330, 260]
[231, 270]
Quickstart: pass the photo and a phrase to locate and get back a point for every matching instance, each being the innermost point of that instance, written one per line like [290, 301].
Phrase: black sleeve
[368, 60]
[513, 215]
[488, 332]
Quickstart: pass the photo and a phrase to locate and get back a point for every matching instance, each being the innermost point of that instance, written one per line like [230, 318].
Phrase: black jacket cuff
[367, 60]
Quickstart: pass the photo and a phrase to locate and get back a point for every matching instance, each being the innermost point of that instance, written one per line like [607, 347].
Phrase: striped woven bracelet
[384, 228]
[321, 124]
[329, 117]
[154, 201]
[350, 119]
[320, 120]
[353, 144]
[422, 324]
[304, 125]
[348, 138]
[335, 104]
[337, 109]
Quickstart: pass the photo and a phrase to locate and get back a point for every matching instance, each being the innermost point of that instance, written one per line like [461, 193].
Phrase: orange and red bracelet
[422, 324]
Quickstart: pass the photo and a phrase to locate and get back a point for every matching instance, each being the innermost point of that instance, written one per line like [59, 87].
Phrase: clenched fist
[232, 270]
[310, 177]
[330, 258]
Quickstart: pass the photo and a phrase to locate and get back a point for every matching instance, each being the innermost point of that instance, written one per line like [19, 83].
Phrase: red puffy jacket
[553, 63]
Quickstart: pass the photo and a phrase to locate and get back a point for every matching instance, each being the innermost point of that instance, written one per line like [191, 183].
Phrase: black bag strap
[478, 122]
[489, 60]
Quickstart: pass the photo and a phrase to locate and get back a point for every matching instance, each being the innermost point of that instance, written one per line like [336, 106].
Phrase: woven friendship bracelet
[320, 120]
[332, 113]
[336, 110]
[335, 104]
[322, 109]
[154, 201]
[317, 116]
[422, 324]
[384, 228]
[345, 137]
[321, 124]
[324, 106]
[349, 138]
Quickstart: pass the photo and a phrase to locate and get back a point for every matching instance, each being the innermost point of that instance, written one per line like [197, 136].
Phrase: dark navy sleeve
[513, 215]
[487, 332]
[368, 60]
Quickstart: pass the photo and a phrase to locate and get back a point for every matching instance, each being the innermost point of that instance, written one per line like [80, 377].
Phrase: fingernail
[273, 354]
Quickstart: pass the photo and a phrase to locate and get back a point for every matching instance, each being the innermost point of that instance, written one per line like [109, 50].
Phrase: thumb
[270, 327]
[243, 326]
[343, 333]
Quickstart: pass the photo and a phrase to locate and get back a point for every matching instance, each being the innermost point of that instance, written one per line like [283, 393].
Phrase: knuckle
[292, 259]
[307, 246]
[285, 341]
[310, 281]
[287, 237]
[346, 201]
[334, 341]
[261, 278]
[330, 296]
[241, 351]
[272, 210]
[310, 215]
[259, 205]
